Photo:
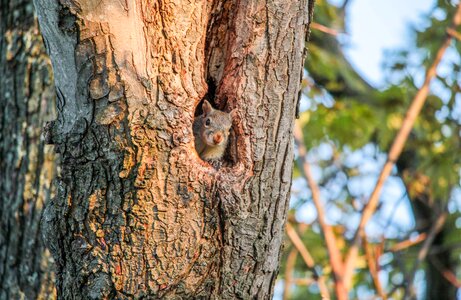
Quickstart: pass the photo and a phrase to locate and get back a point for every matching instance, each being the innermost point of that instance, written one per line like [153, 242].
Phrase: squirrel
[211, 132]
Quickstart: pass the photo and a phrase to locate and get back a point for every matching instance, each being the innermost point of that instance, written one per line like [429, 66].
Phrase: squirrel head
[215, 125]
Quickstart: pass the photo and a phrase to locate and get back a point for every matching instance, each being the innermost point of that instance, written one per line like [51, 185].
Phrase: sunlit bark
[138, 214]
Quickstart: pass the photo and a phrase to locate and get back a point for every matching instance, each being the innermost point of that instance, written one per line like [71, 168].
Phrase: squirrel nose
[217, 138]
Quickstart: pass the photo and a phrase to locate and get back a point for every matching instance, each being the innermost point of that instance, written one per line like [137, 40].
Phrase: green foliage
[349, 124]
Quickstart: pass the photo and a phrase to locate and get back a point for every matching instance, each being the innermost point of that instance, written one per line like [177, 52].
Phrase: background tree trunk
[138, 214]
[27, 167]
[426, 209]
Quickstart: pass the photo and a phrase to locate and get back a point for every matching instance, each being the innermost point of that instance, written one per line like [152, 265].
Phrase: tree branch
[325, 29]
[303, 281]
[289, 272]
[372, 261]
[454, 33]
[436, 227]
[330, 240]
[408, 243]
[297, 242]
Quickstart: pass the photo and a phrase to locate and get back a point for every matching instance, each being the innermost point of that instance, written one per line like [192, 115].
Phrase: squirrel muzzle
[218, 138]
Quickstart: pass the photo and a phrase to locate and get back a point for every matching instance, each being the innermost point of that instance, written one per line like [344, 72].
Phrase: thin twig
[345, 4]
[290, 264]
[435, 229]
[324, 29]
[408, 243]
[372, 261]
[446, 273]
[394, 153]
[303, 281]
[298, 243]
[454, 33]
[330, 240]
[394, 210]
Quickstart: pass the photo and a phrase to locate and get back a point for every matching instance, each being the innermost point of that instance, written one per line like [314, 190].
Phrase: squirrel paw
[217, 164]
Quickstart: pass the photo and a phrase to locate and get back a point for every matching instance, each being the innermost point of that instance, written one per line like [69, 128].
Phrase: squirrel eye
[208, 122]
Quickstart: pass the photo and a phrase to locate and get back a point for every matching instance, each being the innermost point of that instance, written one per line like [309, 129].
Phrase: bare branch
[372, 261]
[408, 243]
[298, 243]
[436, 227]
[303, 281]
[290, 264]
[394, 153]
[325, 29]
[330, 240]
[454, 33]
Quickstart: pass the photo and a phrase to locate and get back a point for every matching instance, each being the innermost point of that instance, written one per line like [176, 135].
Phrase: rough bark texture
[138, 214]
[26, 165]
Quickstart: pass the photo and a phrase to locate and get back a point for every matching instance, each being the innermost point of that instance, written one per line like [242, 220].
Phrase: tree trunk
[138, 213]
[27, 167]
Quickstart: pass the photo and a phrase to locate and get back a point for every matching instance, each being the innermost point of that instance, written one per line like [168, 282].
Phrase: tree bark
[27, 166]
[138, 214]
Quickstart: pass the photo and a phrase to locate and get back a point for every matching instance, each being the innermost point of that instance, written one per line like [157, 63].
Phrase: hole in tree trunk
[212, 129]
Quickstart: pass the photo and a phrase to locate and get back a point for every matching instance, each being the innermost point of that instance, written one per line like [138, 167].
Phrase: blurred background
[366, 62]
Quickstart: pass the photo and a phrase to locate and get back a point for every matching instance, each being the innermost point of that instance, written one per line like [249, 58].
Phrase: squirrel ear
[206, 107]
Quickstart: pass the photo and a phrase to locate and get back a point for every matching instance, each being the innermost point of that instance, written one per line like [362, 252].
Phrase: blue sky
[374, 26]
